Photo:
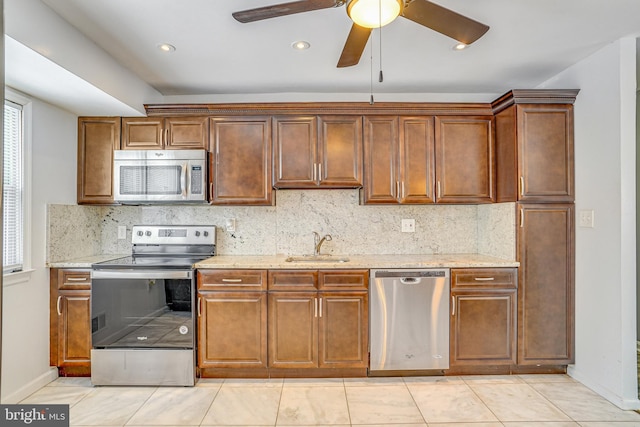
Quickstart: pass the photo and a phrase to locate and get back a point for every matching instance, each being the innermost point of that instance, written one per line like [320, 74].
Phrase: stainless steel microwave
[153, 176]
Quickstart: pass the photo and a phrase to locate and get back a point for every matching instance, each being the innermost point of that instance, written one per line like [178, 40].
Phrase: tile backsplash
[286, 228]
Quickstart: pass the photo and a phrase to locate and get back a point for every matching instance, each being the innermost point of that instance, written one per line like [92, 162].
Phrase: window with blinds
[12, 197]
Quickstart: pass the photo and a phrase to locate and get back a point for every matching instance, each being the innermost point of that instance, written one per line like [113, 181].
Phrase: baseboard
[31, 387]
[621, 402]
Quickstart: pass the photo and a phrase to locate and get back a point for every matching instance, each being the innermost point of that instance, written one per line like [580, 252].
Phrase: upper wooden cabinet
[428, 160]
[317, 151]
[465, 160]
[240, 161]
[98, 137]
[534, 146]
[171, 133]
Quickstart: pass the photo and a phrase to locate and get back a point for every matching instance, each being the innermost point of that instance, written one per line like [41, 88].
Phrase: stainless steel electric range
[142, 308]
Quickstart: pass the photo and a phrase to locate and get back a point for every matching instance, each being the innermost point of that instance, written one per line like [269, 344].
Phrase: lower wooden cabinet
[483, 317]
[70, 322]
[323, 328]
[232, 322]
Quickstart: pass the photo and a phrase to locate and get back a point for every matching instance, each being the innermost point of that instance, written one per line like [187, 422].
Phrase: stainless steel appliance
[142, 317]
[409, 320]
[147, 176]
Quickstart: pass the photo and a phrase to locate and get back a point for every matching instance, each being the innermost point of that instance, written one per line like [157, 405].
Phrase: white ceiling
[217, 57]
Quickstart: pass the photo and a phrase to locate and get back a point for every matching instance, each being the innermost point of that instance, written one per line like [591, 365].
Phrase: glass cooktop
[149, 261]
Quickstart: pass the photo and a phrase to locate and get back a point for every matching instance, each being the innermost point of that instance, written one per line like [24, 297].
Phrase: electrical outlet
[122, 232]
[230, 225]
[409, 225]
[585, 218]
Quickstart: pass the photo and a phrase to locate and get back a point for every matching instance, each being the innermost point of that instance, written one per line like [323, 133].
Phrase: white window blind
[12, 197]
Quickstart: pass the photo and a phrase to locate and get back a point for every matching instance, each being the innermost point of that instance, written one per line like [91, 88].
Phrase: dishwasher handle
[409, 280]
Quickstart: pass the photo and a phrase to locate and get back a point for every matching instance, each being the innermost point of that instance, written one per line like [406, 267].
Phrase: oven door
[142, 309]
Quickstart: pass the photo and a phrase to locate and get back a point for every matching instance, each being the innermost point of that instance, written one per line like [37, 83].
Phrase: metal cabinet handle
[439, 192]
[453, 305]
[76, 279]
[521, 218]
[211, 190]
[521, 185]
[483, 279]
[320, 310]
[58, 305]
[315, 307]
[199, 306]
[232, 280]
[319, 171]
[315, 166]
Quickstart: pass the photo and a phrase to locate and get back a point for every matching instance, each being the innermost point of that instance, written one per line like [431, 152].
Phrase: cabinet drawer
[74, 279]
[484, 278]
[293, 280]
[230, 280]
[351, 280]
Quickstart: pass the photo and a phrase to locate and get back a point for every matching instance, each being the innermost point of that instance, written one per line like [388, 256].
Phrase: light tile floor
[468, 401]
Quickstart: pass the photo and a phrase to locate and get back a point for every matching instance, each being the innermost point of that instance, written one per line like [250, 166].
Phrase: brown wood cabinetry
[171, 133]
[483, 317]
[232, 322]
[399, 160]
[534, 146]
[240, 166]
[98, 137]
[317, 151]
[428, 160]
[318, 319]
[545, 249]
[465, 160]
[70, 323]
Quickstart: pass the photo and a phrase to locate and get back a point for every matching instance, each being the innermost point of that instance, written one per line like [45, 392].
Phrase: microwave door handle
[183, 180]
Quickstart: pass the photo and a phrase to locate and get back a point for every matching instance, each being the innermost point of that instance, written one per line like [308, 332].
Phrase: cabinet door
[294, 152]
[293, 329]
[465, 160]
[241, 161]
[417, 160]
[98, 137]
[186, 133]
[232, 329]
[545, 153]
[74, 329]
[343, 329]
[381, 180]
[545, 245]
[142, 133]
[483, 328]
[340, 151]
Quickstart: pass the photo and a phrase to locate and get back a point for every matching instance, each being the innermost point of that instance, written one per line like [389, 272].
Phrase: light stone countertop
[84, 262]
[355, 262]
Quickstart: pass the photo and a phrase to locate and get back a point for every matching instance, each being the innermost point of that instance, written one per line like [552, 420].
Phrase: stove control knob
[206, 233]
[197, 234]
[147, 233]
[140, 233]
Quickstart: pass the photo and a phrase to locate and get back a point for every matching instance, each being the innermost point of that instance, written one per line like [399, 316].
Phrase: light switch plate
[409, 225]
[585, 218]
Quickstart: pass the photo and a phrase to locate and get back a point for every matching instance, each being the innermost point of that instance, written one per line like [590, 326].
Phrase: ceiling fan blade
[354, 46]
[276, 10]
[444, 21]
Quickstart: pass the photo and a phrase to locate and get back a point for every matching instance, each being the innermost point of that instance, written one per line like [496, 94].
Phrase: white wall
[605, 254]
[25, 334]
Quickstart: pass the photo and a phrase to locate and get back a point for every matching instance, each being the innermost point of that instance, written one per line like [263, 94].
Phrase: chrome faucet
[317, 242]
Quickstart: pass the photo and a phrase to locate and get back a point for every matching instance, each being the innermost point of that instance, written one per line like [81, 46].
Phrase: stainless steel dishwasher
[409, 320]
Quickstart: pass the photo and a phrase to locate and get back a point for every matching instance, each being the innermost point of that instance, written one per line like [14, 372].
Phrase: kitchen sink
[316, 258]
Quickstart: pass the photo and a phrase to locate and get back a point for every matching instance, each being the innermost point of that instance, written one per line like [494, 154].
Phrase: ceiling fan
[440, 19]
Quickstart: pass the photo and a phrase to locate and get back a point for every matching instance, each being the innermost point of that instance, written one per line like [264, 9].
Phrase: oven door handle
[141, 274]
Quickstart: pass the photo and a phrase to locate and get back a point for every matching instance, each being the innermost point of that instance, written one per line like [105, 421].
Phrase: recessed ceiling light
[301, 45]
[460, 46]
[166, 47]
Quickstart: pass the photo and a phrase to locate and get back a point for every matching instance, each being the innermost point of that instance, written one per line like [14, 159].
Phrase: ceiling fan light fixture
[374, 13]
